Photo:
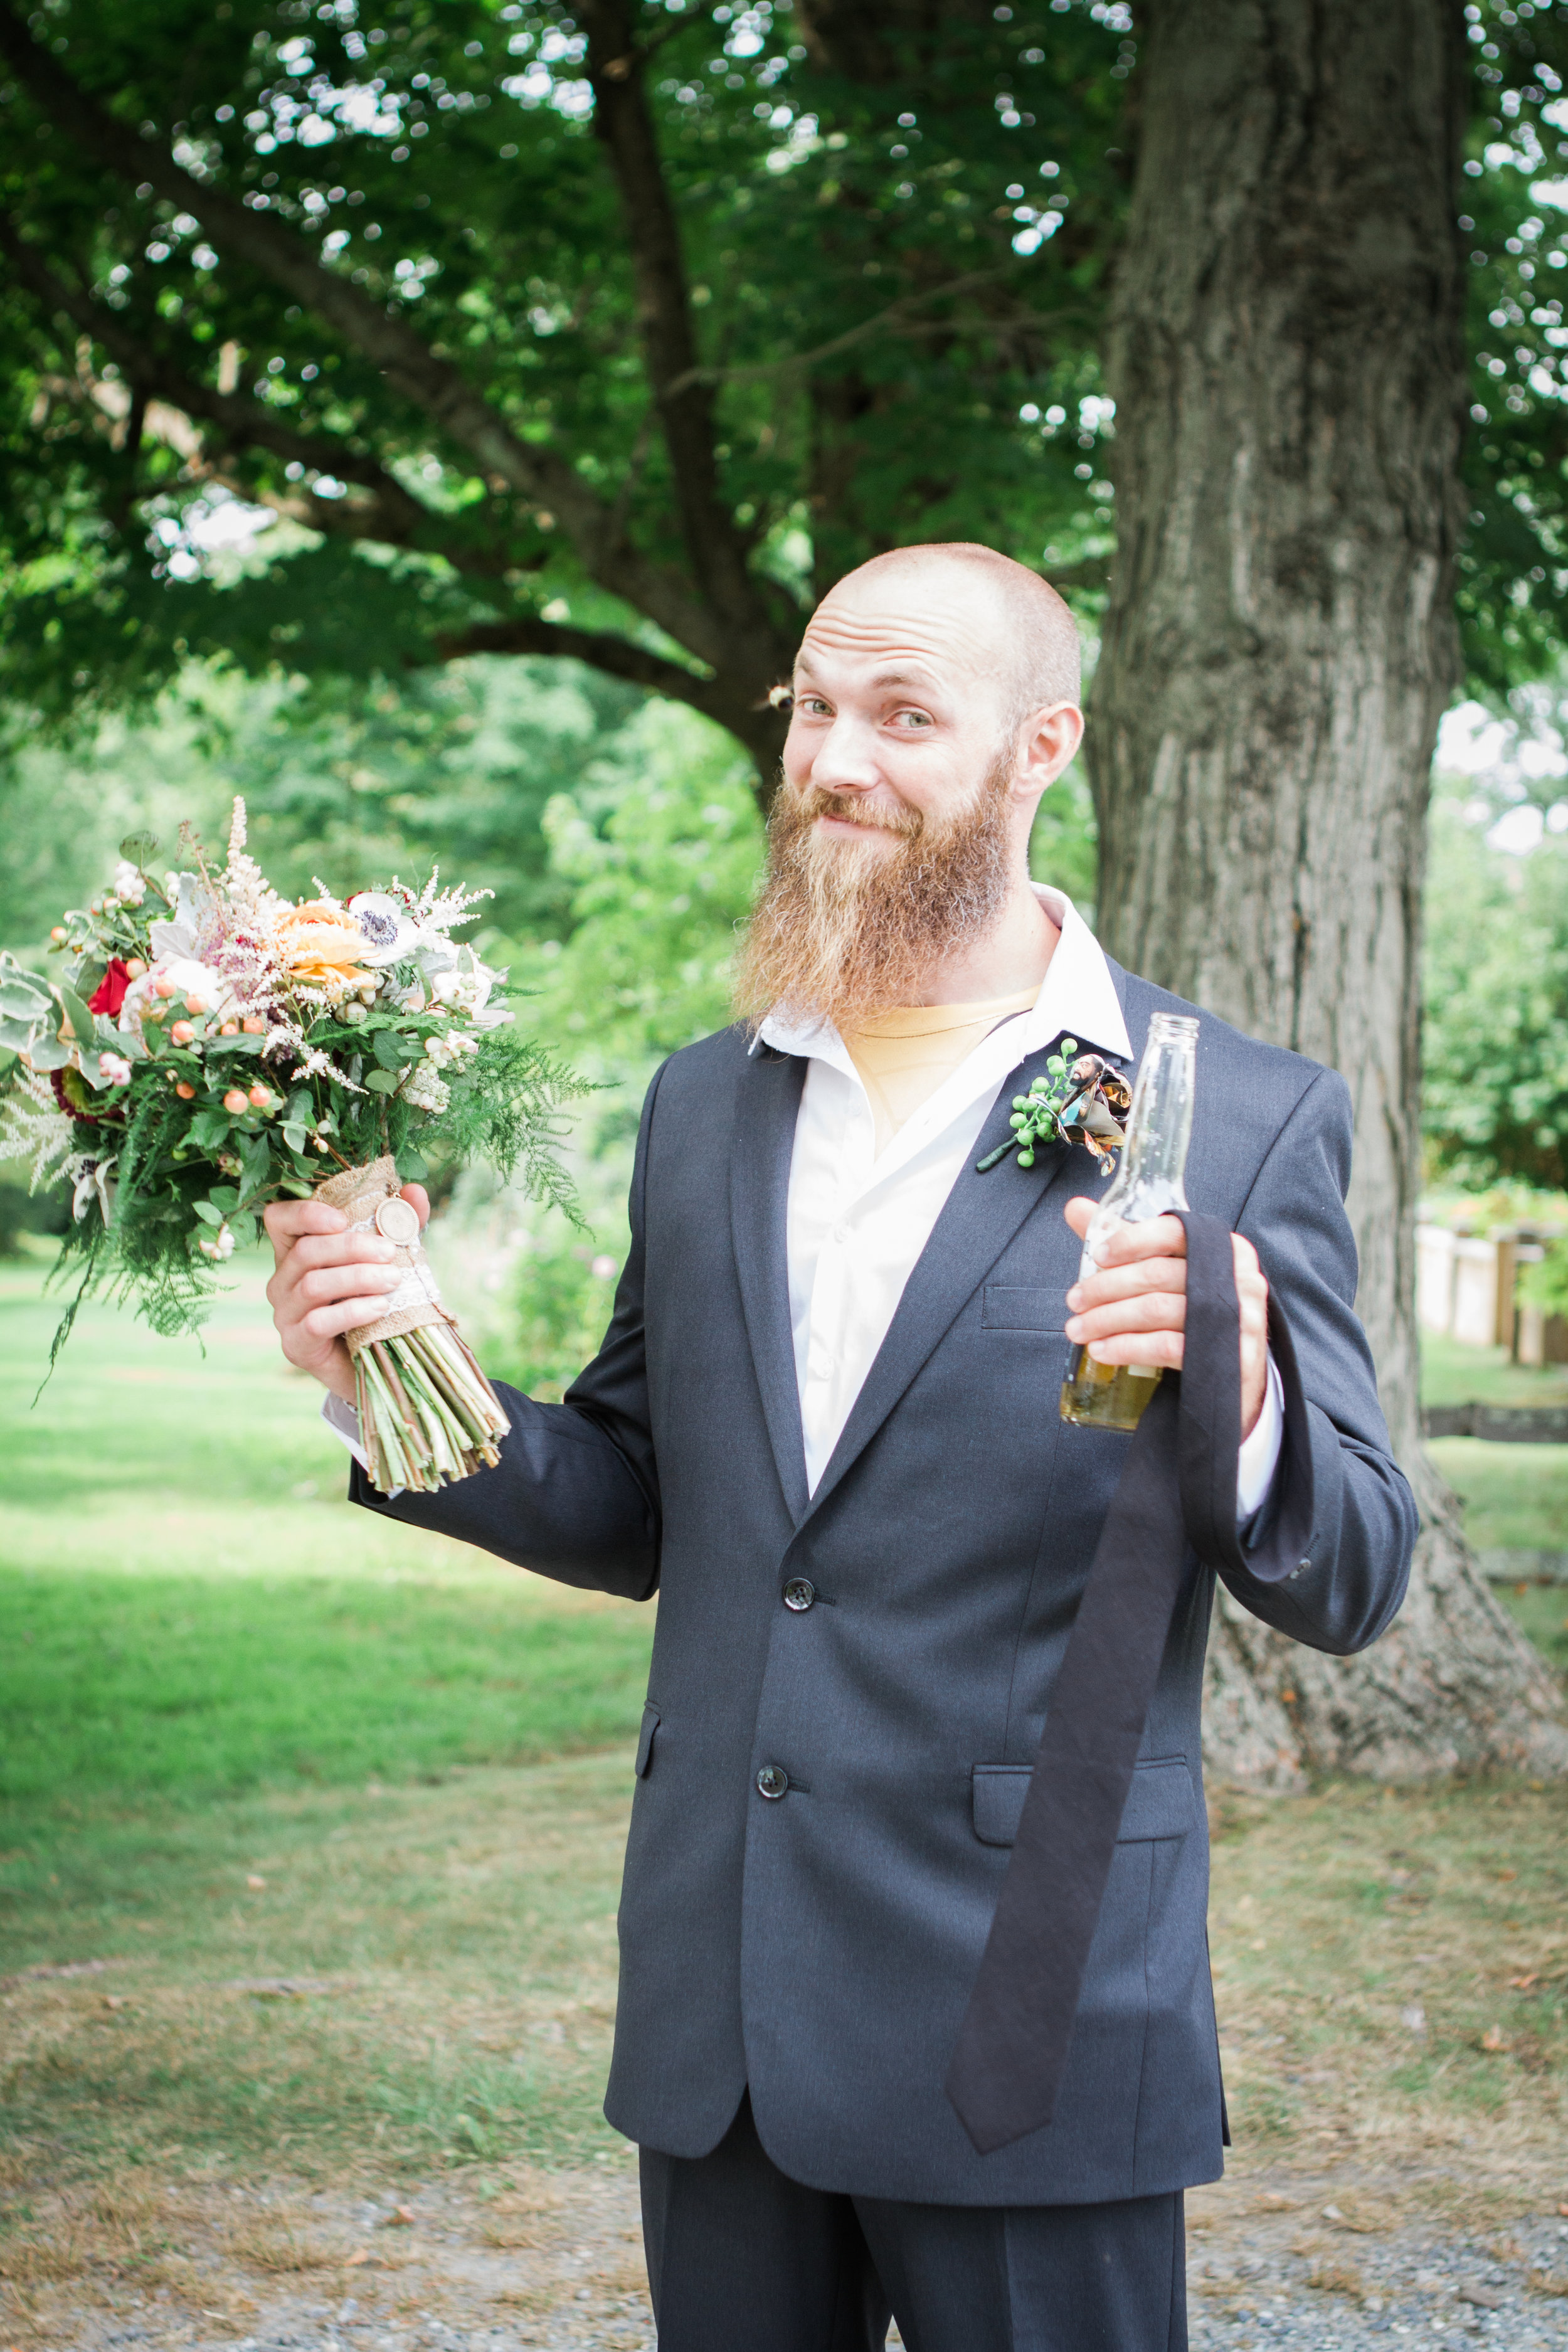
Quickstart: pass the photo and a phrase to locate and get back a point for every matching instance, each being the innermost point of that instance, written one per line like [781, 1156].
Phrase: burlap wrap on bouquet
[358, 1193]
[428, 1414]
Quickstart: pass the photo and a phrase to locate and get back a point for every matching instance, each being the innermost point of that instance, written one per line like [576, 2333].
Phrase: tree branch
[623, 125]
[618, 657]
[432, 383]
[240, 421]
[875, 324]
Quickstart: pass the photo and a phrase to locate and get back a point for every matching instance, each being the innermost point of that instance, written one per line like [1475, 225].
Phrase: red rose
[110, 993]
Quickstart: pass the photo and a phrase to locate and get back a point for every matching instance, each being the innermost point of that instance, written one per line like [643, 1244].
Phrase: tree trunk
[1287, 362]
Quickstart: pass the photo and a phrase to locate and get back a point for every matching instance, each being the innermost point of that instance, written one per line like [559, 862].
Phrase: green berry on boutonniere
[1072, 1101]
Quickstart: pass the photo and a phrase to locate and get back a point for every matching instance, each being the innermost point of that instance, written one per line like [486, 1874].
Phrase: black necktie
[1178, 1490]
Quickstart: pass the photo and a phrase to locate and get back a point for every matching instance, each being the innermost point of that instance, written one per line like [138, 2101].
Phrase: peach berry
[234, 1100]
[184, 1090]
[261, 1096]
[181, 1033]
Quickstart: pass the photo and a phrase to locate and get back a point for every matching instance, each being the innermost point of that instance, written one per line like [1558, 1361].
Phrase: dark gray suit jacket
[820, 1947]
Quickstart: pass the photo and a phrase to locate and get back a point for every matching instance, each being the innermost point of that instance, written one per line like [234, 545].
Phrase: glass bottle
[1147, 1183]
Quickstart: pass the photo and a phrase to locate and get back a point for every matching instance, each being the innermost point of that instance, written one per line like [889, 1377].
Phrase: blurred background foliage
[621, 330]
[248, 543]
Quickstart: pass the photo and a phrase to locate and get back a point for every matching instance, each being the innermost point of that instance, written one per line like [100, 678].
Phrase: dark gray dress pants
[743, 2259]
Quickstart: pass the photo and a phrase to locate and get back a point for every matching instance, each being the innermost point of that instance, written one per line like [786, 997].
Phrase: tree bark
[1287, 360]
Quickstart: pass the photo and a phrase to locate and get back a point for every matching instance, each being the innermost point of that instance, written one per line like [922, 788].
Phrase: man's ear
[1047, 741]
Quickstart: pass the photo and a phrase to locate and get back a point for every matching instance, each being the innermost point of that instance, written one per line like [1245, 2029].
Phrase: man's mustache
[851, 809]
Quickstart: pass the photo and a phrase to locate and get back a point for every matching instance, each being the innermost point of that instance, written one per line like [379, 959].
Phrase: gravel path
[554, 2263]
[1320, 2285]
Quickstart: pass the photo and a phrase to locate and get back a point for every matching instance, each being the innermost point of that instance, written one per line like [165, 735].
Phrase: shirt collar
[1077, 998]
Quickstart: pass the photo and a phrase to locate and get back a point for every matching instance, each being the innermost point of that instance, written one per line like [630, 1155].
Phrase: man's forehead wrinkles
[930, 643]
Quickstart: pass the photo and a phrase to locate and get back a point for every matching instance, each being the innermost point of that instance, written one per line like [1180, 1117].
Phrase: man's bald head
[1037, 641]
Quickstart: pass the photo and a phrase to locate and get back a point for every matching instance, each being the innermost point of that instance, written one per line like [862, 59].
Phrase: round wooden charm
[398, 1219]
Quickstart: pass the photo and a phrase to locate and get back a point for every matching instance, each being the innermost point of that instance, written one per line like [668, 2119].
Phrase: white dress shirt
[856, 1224]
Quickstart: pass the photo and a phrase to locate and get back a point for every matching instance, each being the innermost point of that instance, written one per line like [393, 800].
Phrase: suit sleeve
[1328, 1558]
[575, 1494]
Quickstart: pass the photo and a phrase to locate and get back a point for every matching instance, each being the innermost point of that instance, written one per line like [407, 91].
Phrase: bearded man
[823, 1426]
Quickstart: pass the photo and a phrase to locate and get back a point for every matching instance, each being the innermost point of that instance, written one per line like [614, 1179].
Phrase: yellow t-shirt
[902, 1057]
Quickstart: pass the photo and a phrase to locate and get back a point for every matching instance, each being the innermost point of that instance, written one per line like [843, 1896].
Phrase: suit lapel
[978, 1218]
[767, 1103]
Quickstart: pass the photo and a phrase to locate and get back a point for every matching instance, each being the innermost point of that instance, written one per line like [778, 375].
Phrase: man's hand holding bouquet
[206, 1054]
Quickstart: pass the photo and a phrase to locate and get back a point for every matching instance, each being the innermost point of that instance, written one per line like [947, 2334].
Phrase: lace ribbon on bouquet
[428, 1414]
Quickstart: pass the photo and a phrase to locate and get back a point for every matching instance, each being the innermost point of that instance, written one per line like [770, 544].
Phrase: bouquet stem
[428, 1414]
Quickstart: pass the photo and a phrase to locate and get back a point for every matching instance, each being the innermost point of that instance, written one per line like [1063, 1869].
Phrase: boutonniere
[1069, 1101]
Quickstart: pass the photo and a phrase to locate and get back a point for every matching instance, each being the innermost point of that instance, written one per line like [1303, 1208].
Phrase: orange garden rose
[322, 946]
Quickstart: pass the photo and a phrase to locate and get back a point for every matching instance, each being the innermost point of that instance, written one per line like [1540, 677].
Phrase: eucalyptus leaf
[382, 1082]
[76, 1013]
[139, 849]
[20, 1001]
[208, 1214]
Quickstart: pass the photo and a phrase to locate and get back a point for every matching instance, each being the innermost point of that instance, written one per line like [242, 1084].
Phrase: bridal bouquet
[207, 1047]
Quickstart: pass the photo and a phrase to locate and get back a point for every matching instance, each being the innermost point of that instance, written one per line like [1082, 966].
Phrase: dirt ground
[1392, 1976]
[1345, 2255]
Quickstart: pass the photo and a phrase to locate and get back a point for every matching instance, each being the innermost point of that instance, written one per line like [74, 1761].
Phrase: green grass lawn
[1515, 1497]
[250, 1738]
[1452, 1373]
[187, 1603]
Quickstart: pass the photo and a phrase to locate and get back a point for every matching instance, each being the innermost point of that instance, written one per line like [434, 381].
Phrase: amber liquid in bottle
[1148, 1183]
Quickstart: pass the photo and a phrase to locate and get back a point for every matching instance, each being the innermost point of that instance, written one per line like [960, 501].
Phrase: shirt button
[1305, 1564]
[840, 1234]
[772, 1780]
[799, 1593]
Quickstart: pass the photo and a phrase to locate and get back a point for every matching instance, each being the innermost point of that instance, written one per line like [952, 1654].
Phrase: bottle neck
[1150, 1179]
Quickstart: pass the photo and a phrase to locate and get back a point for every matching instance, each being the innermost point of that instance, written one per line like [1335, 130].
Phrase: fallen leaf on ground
[1336, 2278]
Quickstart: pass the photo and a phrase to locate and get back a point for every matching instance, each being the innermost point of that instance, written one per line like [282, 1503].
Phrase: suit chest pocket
[1010, 1306]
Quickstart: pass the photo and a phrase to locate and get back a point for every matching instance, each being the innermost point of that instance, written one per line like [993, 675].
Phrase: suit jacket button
[799, 1593]
[772, 1780]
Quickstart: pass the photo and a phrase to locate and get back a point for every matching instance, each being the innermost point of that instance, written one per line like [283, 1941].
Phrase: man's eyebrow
[914, 676]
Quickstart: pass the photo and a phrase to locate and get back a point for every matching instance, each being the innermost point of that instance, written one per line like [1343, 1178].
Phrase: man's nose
[845, 759]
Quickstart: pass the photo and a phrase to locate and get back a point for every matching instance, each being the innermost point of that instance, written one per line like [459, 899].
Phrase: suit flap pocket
[645, 1738]
[1158, 1804]
[1005, 1308]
